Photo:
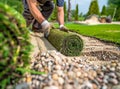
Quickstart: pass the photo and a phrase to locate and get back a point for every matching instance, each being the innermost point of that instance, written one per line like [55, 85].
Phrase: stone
[55, 76]
[29, 79]
[87, 85]
[58, 67]
[47, 55]
[113, 81]
[37, 83]
[78, 74]
[105, 81]
[68, 86]
[71, 74]
[51, 87]
[60, 80]
[112, 75]
[104, 87]
[95, 86]
[43, 54]
[9, 87]
[60, 73]
[118, 75]
[112, 69]
[113, 64]
[116, 87]
[22, 86]
[101, 74]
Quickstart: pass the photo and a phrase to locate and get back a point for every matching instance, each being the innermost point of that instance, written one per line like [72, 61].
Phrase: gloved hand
[63, 28]
[46, 28]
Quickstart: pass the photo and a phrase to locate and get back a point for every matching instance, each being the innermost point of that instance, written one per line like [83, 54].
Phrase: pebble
[60, 80]
[95, 86]
[104, 87]
[112, 80]
[78, 74]
[116, 87]
[60, 73]
[68, 86]
[22, 86]
[112, 69]
[87, 85]
[72, 73]
[112, 75]
[9, 87]
[51, 87]
[55, 76]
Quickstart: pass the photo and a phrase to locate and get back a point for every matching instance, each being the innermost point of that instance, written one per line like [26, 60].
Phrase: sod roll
[68, 44]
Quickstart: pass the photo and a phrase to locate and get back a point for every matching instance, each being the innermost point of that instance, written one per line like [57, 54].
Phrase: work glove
[63, 28]
[46, 28]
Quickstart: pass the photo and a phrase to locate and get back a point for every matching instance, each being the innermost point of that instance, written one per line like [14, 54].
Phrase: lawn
[106, 32]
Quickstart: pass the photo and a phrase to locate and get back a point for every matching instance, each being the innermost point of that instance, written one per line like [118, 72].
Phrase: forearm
[60, 15]
[35, 11]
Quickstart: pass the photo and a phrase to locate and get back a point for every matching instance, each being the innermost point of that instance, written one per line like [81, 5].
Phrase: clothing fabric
[45, 9]
[45, 6]
[58, 2]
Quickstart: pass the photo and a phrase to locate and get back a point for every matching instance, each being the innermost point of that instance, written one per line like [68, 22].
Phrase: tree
[65, 12]
[94, 8]
[69, 10]
[77, 12]
[116, 8]
[116, 2]
[103, 12]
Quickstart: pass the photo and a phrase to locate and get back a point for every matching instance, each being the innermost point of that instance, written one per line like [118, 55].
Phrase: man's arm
[61, 19]
[35, 11]
[39, 17]
[60, 15]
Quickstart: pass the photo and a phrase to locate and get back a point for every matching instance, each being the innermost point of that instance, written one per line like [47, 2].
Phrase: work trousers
[46, 10]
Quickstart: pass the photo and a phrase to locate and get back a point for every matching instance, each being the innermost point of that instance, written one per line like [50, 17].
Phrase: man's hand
[63, 28]
[46, 28]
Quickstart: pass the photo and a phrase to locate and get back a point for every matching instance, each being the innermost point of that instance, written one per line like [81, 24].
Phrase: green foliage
[14, 44]
[23, 70]
[106, 32]
[110, 10]
[103, 12]
[115, 4]
[67, 43]
[16, 4]
[73, 14]
[94, 8]
[118, 14]
[77, 13]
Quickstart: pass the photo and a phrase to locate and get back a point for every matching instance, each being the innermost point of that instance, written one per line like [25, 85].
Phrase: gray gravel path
[97, 68]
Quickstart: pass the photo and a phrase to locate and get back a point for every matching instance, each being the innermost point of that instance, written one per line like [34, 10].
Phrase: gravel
[63, 72]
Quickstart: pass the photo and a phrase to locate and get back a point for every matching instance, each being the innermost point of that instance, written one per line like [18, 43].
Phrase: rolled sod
[68, 44]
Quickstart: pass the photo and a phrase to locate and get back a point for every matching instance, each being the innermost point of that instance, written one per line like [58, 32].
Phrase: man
[36, 12]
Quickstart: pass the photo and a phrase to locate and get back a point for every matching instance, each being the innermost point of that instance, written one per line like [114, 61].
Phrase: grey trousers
[45, 9]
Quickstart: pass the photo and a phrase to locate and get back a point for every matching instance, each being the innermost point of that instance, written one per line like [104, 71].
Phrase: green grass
[106, 32]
